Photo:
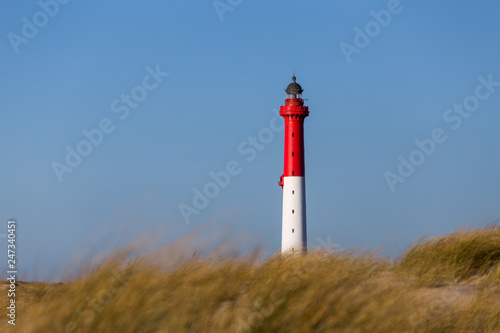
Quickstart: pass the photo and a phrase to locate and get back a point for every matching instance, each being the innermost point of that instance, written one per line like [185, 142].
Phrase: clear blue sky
[225, 78]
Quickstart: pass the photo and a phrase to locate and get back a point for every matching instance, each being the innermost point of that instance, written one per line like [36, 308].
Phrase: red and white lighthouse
[294, 233]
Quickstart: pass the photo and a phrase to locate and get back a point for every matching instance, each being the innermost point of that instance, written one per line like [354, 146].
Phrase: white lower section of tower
[294, 233]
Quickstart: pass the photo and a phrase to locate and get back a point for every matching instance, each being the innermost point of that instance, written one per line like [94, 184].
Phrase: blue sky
[227, 70]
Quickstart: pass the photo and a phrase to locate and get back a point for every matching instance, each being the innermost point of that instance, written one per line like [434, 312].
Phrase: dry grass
[319, 292]
[460, 256]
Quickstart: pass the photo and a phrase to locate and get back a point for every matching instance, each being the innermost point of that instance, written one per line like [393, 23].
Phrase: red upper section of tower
[294, 113]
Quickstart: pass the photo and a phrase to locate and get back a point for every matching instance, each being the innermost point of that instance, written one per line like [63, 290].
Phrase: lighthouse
[294, 233]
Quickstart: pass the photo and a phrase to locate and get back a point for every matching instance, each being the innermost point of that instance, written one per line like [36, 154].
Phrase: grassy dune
[459, 256]
[444, 284]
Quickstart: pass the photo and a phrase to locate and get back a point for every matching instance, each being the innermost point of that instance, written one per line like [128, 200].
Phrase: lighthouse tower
[294, 234]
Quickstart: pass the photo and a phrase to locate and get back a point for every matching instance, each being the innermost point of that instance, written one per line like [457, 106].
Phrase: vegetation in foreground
[443, 284]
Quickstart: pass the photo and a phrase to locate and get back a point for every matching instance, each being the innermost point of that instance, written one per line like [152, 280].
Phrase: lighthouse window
[293, 154]
[293, 192]
[293, 173]
[293, 211]
[293, 230]
[293, 134]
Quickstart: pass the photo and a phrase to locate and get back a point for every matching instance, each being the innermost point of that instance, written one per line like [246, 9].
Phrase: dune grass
[446, 284]
[457, 257]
